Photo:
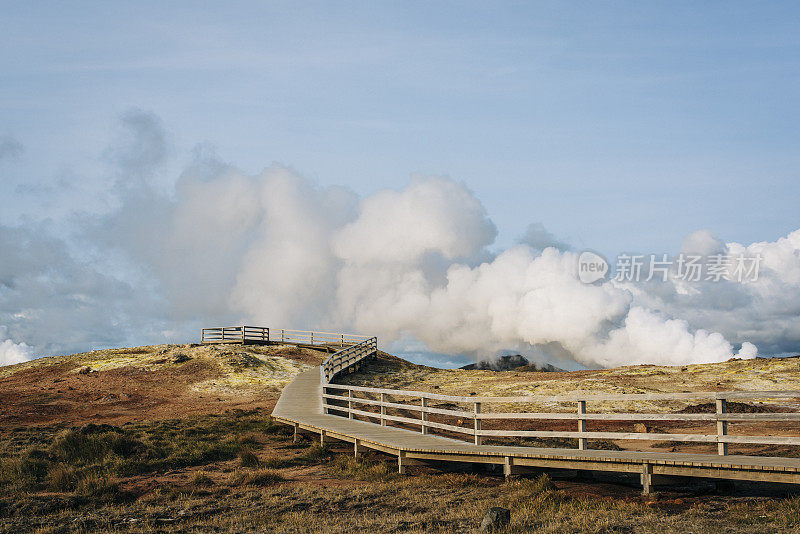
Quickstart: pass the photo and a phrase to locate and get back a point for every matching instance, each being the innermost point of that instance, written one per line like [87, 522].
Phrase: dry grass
[307, 488]
[241, 369]
[248, 458]
[745, 375]
[237, 472]
[259, 477]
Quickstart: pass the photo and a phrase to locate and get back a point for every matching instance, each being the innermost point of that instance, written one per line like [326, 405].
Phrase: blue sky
[621, 126]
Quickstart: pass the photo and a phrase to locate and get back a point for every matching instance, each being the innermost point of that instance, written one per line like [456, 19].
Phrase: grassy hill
[178, 437]
[734, 375]
[153, 382]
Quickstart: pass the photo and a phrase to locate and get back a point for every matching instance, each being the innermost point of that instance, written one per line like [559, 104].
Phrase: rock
[84, 370]
[511, 362]
[180, 358]
[496, 519]
[640, 427]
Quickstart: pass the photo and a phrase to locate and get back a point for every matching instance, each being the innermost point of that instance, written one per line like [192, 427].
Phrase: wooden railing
[308, 337]
[235, 334]
[347, 358]
[257, 334]
[388, 405]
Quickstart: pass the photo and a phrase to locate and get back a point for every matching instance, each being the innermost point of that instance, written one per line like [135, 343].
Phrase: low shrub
[251, 438]
[25, 472]
[352, 467]
[73, 445]
[248, 458]
[314, 454]
[61, 477]
[278, 463]
[277, 428]
[96, 485]
[542, 484]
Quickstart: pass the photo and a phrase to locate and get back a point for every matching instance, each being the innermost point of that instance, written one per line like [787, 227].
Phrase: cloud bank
[414, 266]
[11, 353]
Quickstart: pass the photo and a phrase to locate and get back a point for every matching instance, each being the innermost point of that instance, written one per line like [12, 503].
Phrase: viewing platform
[259, 335]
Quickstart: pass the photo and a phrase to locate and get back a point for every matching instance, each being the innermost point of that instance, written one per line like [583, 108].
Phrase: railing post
[477, 421]
[312, 338]
[343, 340]
[282, 331]
[647, 478]
[722, 427]
[383, 409]
[424, 414]
[350, 404]
[243, 330]
[581, 424]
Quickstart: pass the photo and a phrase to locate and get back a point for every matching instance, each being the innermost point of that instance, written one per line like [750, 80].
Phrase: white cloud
[10, 352]
[764, 312]
[430, 215]
[410, 265]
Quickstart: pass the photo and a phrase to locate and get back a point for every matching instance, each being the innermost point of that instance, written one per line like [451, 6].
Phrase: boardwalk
[300, 405]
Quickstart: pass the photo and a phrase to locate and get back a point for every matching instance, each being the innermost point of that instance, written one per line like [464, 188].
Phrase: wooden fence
[258, 334]
[347, 358]
[373, 405]
[235, 334]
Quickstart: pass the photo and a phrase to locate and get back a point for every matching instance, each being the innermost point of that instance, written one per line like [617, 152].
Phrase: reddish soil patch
[57, 394]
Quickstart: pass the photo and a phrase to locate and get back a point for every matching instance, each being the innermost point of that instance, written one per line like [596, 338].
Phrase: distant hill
[511, 362]
[519, 379]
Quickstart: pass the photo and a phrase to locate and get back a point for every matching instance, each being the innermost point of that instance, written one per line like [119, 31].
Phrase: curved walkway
[300, 405]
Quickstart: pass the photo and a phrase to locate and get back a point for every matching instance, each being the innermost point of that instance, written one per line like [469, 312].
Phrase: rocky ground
[170, 438]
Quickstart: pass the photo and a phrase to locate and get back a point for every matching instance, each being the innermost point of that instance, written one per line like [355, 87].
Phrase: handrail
[258, 334]
[352, 401]
[234, 334]
[590, 396]
[346, 358]
[476, 415]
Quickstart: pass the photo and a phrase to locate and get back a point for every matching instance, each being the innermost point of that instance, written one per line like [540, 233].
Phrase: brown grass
[197, 473]
[307, 488]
